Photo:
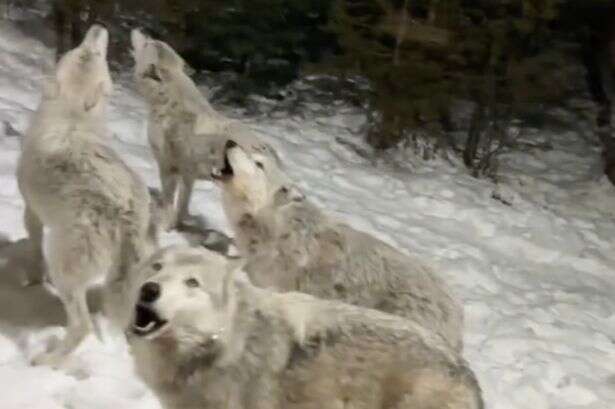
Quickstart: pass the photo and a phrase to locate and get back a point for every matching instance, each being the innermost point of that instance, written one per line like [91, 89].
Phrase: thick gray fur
[95, 208]
[186, 134]
[291, 245]
[229, 344]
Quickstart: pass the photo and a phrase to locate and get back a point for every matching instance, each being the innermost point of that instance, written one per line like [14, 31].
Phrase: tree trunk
[484, 110]
[432, 14]
[599, 62]
[401, 32]
[597, 71]
[604, 129]
[59, 21]
[474, 134]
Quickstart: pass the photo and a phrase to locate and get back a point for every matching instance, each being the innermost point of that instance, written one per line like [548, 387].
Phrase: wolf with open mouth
[87, 213]
[292, 245]
[204, 337]
[147, 322]
[185, 132]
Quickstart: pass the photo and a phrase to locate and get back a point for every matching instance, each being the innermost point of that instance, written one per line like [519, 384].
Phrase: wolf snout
[149, 292]
[226, 171]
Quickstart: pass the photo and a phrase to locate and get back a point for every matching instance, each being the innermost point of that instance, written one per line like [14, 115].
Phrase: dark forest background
[458, 74]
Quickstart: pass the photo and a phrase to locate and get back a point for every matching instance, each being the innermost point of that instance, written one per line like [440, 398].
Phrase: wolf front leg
[185, 193]
[169, 180]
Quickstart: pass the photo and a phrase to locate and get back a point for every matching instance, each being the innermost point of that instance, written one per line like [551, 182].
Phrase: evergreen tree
[422, 55]
[265, 40]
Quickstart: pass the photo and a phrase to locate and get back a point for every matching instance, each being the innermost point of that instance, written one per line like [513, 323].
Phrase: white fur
[95, 207]
[292, 246]
[227, 344]
[186, 134]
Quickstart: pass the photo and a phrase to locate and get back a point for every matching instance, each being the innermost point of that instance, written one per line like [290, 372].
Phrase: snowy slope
[536, 278]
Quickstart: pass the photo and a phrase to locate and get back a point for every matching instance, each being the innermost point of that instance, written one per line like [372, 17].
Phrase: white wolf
[186, 134]
[292, 246]
[204, 337]
[95, 207]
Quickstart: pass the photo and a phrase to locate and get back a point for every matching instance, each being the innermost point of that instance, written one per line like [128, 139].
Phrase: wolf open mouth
[227, 170]
[146, 322]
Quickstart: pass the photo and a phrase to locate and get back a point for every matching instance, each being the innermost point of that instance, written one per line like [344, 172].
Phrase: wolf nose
[230, 144]
[150, 292]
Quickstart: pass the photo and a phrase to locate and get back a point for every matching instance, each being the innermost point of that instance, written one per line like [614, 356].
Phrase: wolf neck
[67, 123]
[257, 312]
[184, 90]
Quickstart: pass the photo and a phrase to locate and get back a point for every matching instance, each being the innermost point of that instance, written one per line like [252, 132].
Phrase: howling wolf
[186, 134]
[95, 207]
[292, 246]
[203, 337]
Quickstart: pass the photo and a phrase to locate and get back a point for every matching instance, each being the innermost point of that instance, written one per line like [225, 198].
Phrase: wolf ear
[152, 73]
[288, 194]
[295, 194]
[168, 57]
[234, 269]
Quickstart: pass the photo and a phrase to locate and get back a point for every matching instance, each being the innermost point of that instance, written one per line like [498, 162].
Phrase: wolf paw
[54, 359]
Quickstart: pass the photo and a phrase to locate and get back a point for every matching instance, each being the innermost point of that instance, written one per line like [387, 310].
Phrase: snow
[535, 275]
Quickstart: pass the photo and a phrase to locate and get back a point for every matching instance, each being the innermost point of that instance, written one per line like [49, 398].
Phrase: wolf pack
[310, 314]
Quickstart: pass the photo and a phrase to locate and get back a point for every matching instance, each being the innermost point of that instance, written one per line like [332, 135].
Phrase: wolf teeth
[148, 327]
[153, 334]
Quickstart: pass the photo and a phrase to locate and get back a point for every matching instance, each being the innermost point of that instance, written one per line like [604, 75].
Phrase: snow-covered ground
[536, 278]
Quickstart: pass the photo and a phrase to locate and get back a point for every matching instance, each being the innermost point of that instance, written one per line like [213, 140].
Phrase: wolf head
[188, 296]
[251, 180]
[82, 80]
[155, 61]
[162, 76]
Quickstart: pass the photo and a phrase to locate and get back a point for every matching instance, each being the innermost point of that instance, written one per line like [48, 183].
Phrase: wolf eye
[260, 165]
[192, 282]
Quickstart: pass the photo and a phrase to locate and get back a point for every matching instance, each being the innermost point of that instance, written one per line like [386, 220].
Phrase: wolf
[96, 209]
[202, 336]
[291, 245]
[186, 134]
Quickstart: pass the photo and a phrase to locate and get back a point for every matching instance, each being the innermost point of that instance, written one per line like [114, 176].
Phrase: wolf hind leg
[77, 256]
[36, 267]
[79, 325]
[135, 246]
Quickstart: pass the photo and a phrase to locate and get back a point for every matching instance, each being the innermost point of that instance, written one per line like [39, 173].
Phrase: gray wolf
[202, 337]
[186, 134]
[291, 245]
[96, 209]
